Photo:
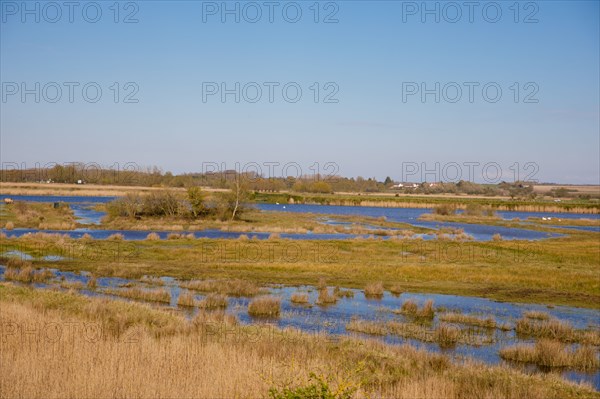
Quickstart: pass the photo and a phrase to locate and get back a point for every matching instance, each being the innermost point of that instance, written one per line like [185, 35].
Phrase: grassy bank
[36, 215]
[138, 351]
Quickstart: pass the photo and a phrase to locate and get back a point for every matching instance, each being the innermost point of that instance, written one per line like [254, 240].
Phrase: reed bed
[167, 356]
[549, 353]
[149, 295]
[236, 287]
[265, 306]
[486, 322]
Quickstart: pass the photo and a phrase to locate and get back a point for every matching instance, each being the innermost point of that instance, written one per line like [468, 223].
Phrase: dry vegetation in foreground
[550, 353]
[145, 352]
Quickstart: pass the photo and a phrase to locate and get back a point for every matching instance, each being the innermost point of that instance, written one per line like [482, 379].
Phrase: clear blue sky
[370, 53]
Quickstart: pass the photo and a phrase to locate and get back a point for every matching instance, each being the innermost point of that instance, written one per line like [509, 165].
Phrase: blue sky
[371, 55]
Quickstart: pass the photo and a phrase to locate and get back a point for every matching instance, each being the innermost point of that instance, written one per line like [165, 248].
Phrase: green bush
[317, 389]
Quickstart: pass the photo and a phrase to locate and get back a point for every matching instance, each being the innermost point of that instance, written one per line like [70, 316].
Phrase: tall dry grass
[145, 352]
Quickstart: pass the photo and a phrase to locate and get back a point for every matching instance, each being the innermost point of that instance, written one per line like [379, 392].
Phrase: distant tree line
[132, 175]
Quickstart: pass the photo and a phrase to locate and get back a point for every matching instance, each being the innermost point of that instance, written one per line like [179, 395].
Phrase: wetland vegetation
[188, 288]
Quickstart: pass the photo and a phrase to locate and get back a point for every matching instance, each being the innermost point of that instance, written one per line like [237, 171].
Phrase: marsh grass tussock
[152, 237]
[557, 330]
[342, 293]
[116, 237]
[486, 322]
[92, 282]
[214, 301]
[72, 285]
[396, 289]
[410, 308]
[24, 275]
[300, 298]
[366, 327]
[374, 290]
[550, 353]
[149, 295]
[447, 335]
[187, 299]
[326, 297]
[28, 274]
[265, 306]
[152, 280]
[235, 287]
[536, 315]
